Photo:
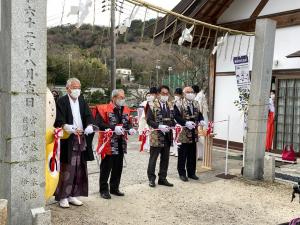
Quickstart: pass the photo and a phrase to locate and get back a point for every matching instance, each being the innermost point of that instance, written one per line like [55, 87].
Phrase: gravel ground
[210, 200]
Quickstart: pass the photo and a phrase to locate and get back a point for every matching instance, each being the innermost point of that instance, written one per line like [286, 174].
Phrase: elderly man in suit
[187, 114]
[73, 114]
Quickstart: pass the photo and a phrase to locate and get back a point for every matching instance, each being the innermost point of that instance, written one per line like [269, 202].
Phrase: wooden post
[211, 87]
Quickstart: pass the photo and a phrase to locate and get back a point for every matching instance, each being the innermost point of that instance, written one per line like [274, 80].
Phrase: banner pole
[227, 146]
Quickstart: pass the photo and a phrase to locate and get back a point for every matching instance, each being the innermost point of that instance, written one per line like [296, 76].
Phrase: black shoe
[194, 177]
[184, 178]
[152, 183]
[117, 192]
[105, 195]
[165, 183]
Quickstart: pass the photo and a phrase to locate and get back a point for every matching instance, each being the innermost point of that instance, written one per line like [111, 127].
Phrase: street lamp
[157, 67]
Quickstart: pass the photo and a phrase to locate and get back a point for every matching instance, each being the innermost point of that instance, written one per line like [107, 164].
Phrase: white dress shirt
[77, 122]
[163, 105]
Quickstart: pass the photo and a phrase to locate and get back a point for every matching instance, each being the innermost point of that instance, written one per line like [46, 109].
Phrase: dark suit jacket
[64, 116]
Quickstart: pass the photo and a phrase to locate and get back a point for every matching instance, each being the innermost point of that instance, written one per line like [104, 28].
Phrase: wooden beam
[211, 87]
[259, 8]
[284, 19]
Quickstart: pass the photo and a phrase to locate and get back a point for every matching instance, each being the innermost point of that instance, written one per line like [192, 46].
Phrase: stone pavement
[210, 200]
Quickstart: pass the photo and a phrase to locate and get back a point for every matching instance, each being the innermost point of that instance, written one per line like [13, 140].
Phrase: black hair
[196, 89]
[178, 91]
[273, 91]
[153, 90]
[163, 87]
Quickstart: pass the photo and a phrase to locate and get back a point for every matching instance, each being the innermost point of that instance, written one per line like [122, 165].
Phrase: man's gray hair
[116, 92]
[71, 80]
[186, 88]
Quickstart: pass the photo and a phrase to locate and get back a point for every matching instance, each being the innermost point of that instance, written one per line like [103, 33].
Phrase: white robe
[143, 123]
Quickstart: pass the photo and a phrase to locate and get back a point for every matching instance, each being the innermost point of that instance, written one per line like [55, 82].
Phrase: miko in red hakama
[270, 126]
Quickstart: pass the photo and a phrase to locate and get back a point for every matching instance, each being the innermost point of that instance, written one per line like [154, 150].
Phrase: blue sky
[55, 8]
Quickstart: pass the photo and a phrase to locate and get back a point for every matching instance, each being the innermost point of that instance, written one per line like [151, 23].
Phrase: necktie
[191, 109]
[164, 110]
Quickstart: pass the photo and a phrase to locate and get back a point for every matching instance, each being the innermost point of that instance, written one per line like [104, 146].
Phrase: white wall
[239, 10]
[243, 9]
[275, 6]
[234, 46]
[226, 94]
[286, 42]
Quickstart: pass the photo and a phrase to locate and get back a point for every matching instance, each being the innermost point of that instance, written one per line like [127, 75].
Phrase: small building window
[288, 114]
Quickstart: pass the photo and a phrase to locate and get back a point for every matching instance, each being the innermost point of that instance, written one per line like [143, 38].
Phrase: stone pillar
[40, 216]
[3, 211]
[22, 112]
[259, 98]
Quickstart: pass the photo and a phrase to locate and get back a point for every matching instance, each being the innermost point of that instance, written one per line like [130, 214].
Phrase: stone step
[288, 177]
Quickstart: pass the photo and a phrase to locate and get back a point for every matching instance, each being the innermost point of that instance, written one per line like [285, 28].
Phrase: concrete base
[41, 217]
[3, 212]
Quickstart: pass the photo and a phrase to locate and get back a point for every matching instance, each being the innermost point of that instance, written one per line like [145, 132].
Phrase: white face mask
[75, 93]
[164, 99]
[190, 96]
[177, 98]
[120, 102]
[150, 98]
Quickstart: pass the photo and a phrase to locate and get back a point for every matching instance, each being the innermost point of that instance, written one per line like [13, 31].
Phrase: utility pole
[157, 67]
[70, 57]
[113, 44]
[170, 69]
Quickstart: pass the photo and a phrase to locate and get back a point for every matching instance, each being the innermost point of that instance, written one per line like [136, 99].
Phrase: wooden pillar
[211, 86]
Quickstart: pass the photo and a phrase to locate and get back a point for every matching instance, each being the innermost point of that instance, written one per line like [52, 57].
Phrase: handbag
[288, 155]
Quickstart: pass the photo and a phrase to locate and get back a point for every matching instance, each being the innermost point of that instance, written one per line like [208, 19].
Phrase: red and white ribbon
[210, 128]
[55, 148]
[178, 130]
[106, 140]
[144, 136]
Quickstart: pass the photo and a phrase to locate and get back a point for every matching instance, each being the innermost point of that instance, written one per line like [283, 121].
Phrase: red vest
[104, 111]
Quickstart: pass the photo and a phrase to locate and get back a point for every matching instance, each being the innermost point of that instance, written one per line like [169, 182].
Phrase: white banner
[242, 73]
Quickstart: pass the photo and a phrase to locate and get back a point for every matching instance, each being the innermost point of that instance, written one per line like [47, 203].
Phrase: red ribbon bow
[210, 128]
[144, 135]
[106, 140]
[55, 148]
[178, 130]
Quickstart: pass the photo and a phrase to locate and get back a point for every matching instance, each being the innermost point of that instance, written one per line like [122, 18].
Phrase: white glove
[70, 129]
[190, 125]
[132, 131]
[203, 123]
[88, 130]
[119, 130]
[61, 134]
[164, 128]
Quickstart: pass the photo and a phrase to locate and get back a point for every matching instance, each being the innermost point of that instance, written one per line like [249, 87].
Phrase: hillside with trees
[85, 53]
